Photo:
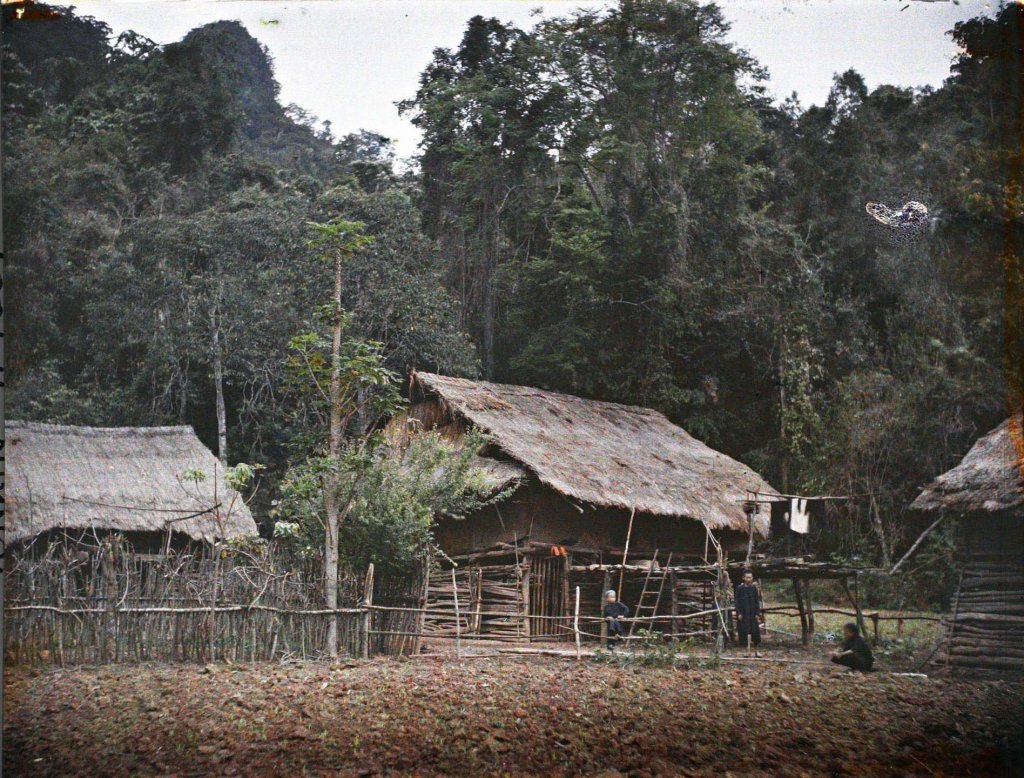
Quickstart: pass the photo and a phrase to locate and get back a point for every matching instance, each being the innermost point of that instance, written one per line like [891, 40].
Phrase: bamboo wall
[533, 599]
[987, 631]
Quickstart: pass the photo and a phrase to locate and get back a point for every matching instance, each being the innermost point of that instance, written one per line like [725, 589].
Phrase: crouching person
[613, 611]
[856, 653]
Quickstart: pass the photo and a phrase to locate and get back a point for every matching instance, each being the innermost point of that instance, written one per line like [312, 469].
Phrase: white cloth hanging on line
[799, 518]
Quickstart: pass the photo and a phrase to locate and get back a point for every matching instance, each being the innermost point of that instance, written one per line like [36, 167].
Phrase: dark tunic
[748, 608]
[861, 658]
[613, 611]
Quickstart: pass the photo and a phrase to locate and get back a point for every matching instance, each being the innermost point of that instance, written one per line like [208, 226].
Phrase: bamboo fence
[74, 606]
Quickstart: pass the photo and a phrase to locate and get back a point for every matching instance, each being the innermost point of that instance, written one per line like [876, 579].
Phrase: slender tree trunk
[488, 312]
[879, 527]
[218, 381]
[331, 498]
[784, 458]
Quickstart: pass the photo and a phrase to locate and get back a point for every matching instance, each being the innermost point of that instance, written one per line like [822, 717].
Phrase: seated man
[613, 611]
[856, 653]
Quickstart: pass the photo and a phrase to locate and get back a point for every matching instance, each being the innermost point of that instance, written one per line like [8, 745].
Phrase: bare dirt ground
[507, 715]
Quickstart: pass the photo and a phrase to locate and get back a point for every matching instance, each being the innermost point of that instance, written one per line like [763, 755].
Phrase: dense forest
[609, 204]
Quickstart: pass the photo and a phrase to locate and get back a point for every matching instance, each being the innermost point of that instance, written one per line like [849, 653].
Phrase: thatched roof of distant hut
[604, 454]
[989, 479]
[126, 479]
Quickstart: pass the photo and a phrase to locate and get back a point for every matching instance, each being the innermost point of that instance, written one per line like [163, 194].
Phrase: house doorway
[549, 598]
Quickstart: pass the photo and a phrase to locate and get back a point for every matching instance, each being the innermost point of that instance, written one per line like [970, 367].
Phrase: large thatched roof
[605, 454]
[121, 478]
[990, 478]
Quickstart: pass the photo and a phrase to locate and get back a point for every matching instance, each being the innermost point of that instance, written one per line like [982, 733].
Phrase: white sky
[349, 61]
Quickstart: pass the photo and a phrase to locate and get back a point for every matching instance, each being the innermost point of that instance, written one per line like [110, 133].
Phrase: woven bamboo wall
[987, 632]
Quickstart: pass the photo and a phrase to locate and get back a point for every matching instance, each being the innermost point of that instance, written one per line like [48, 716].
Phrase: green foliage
[650, 650]
[607, 204]
[241, 475]
[367, 391]
[194, 475]
[339, 238]
[396, 494]
[136, 231]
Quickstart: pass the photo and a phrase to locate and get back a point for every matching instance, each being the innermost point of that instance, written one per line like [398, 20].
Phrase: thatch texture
[499, 475]
[989, 479]
[604, 454]
[123, 478]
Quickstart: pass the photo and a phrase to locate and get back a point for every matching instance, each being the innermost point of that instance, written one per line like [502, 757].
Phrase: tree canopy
[608, 204]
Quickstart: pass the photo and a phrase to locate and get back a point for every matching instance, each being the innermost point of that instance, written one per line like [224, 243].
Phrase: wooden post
[810, 607]
[477, 584]
[675, 603]
[213, 603]
[625, 551]
[797, 591]
[458, 628]
[854, 597]
[604, 624]
[422, 617]
[367, 602]
[526, 599]
[576, 624]
[110, 591]
[566, 565]
[875, 619]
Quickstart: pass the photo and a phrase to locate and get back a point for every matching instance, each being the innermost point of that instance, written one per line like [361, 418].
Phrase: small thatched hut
[588, 480]
[90, 482]
[985, 492]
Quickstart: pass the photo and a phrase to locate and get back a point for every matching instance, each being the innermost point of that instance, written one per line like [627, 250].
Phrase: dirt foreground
[505, 716]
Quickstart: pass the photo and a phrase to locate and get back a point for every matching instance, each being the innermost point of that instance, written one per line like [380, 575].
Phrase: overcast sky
[349, 61]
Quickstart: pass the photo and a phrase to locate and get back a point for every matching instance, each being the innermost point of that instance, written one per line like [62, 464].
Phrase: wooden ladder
[644, 607]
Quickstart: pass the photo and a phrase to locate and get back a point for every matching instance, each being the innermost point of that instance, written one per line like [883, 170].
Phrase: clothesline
[777, 497]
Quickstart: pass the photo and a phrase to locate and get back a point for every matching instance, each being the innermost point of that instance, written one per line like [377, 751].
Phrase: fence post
[422, 617]
[605, 586]
[458, 628]
[364, 648]
[213, 604]
[576, 624]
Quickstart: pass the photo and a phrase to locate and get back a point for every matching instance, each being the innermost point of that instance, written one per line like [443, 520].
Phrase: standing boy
[748, 612]
[613, 611]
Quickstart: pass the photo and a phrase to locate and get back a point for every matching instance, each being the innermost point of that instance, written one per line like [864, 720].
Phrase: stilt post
[576, 625]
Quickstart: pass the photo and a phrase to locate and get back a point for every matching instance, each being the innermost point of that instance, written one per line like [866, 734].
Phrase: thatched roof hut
[985, 492]
[591, 484]
[604, 454]
[122, 479]
[989, 479]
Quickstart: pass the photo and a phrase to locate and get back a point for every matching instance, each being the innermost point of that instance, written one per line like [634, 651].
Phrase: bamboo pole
[854, 597]
[604, 588]
[798, 595]
[810, 607]
[458, 626]
[917, 543]
[368, 601]
[625, 551]
[576, 624]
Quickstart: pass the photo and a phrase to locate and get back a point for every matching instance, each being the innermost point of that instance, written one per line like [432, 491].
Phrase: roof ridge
[523, 390]
[71, 429]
